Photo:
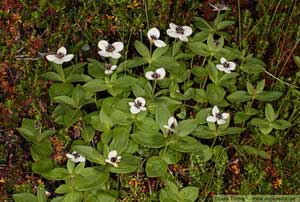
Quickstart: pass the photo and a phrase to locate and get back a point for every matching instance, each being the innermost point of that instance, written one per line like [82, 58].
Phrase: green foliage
[144, 142]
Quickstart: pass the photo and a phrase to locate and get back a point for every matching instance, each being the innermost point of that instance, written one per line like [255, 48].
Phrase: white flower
[172, 123]
[75, 157]
[217, 116]
[109, 68]
[113, 158]
[219, 7]
[181, 32]
[153, 35]
[226, 66]
[110, 50]
[138, 105]
[159, 74]
[60, 57]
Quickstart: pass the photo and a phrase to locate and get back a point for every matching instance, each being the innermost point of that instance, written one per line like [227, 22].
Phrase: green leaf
[224, 24]
[270, 113]
[202, 24]
[170, 156]
[149, 139]
[189, 193]
[204, 156]
[261, 123]
[56, 174]
[260, 86]
[120, 138]
[239, 96]
[142, 49]
[106, 196]
[187, 144]
[263, 154]
[52, 76]
[297, 61]
[253, 65]
[89, 153]
[268, 96]
[43, 148]
[213, 72]
[200, 96]
[156, 166]
[215, 94]
[73, 197]
[95, 68]
[128, 64]
[25, 197]
[248, 149]
[42, 165]
[169, 63]
[186, 127]
[280, 124]
[172, 190]
[159, 52]
[96, 85]
[124, 82]
[65, 100]
[87, 133]
[199, 48]
[41, 196]
[128, 164]
[267, 139]
[90, 179]
[204, 132]
[230, 131]
[78, 78]
[59, 89]
[64, 188]
[162, 115]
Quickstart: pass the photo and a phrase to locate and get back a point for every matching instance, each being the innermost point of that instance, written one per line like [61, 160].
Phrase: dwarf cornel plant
[175, 97]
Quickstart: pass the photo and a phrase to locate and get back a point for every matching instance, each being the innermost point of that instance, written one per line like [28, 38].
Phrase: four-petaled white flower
[217, 116]
[181, 32]
[113, 158]
[60, 57]
[109, 68]
[226, 66]
[75, 157]
[172, 123]
[138, 105]
[153, 35]
[110, 50]
[159, 74]
[219, 7]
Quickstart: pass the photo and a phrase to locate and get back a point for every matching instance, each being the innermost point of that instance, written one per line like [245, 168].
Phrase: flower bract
[113, 158]
[110, 50]
[226, 66]
[180, 32]
[153, 35]
[138, 105]
[217, 116]
[159, 74]
[60, 57]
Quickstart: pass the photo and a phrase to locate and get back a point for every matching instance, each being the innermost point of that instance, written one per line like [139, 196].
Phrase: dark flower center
[153, 37]
[179, 30]
[138, 104]
[76, 155]
[156, 75]
[219, 115]
[226, 65]
[108, 67]
[114, 159]
[110, 48]
[172, 126]
[60, 55]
